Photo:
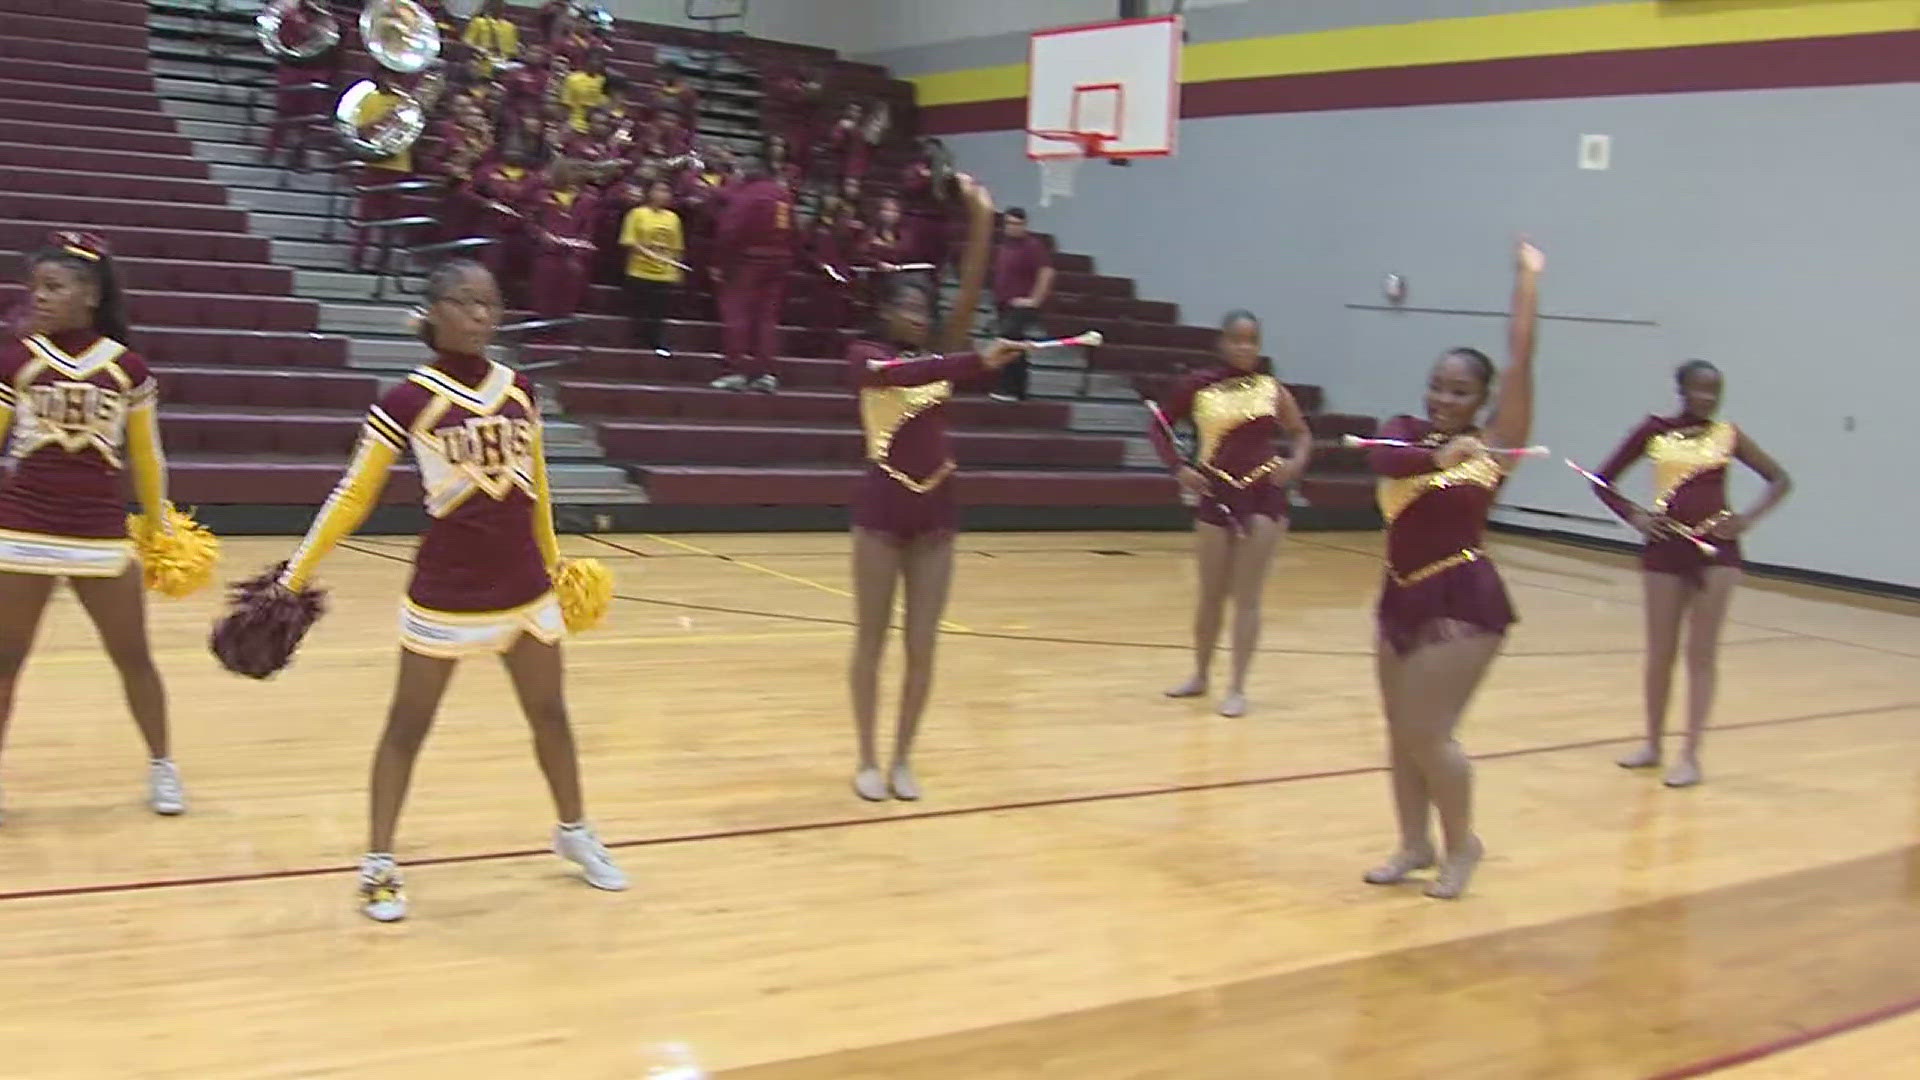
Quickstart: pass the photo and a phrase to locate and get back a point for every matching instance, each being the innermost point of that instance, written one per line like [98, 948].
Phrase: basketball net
[1057, 173]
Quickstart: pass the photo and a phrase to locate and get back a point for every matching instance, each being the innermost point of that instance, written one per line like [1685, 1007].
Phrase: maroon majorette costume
[1439, 582]
[1690, 460]
[1237, 416]
[82, 409]
[907, 491]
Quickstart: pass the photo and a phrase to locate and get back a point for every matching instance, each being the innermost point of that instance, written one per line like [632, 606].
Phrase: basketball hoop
[1058, 169]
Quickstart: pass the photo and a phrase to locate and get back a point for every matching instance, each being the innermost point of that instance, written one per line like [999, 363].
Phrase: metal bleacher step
[264, 178]
[1128, 417]
[185, 99]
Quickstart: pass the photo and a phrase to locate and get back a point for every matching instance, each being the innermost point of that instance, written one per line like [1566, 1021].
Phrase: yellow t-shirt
[496, 37]
[582, 92]
[372, 108]
[660, 230]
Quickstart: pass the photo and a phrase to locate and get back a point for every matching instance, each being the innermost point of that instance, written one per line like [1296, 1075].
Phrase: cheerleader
[1691, 452]
[1443, 611]
[904, 516]
[1239, 410]
[81, 407]
[487, 580]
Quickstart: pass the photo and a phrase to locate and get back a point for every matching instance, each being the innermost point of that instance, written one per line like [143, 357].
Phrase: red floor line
[922, 815]
[1791, 1042]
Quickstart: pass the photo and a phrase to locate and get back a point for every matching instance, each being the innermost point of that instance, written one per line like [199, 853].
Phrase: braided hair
[89, 257]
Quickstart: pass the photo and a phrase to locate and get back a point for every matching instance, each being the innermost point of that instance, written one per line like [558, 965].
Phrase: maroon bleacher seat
[91, 97]
[107, 212]
[84, 116]
[216, 481]
[55, 158]
[44, 72]
[137, 142]
[669, 402]
[58, 26]
[111, 186]
[132, 242]
[84, 54]
[239, 348]
[237, 387]
[126, 12]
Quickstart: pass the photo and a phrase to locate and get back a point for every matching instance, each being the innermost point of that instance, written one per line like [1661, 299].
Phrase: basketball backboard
[1118, 80]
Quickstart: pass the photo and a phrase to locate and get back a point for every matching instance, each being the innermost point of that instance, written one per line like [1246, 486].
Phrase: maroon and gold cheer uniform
[82, 412]
[907, 492]
[1237, 416]
[483, 573]
[1690, 460]
[1439, 582]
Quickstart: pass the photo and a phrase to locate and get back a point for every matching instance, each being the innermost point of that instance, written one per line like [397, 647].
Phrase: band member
[1443, 610]
[525, 87]
[561, 227]
[488, 579]
[492, 36]
[754, 251]
[904, 515]
[1692, 453]
[654, 243]
[1240, 410]
[379, 202]
[506, 190]
[585, 90]
[304, 86]
[80, 407]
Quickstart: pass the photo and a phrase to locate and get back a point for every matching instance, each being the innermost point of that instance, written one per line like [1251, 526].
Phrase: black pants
[650, 301]
[1018, 324]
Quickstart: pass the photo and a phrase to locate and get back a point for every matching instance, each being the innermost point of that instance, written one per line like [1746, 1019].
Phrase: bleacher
[145, 122]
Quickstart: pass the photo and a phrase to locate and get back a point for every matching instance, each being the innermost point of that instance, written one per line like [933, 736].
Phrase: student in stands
[926, 208]
[848, 145]
[904, 512]
[655, 244]
[80, 407]
[677, 98]
[508, 189]
[488, 578]
[585, 89]
[1241, 412]
[305, 86]
[379, 173]
[754, 250]
[887, 244]
[782, 166]
[700, 195]
[562, 226]
[492, 36]
[525, 87]
[1022, 281]
[570, 39]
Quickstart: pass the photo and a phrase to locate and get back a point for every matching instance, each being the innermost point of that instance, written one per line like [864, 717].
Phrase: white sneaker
[164, 791]
[766, 384]
[729, 382]
[383, 896]
[581, 846]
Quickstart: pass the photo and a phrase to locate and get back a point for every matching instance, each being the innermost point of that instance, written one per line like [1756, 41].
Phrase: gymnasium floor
[1101, 884]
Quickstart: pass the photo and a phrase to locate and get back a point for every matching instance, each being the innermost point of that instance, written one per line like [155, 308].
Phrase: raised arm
[958, 328]
[1512, 422]
[1779, 486]
[353, 498]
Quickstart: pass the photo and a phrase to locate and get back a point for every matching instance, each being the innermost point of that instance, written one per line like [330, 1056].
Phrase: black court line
[790, 828]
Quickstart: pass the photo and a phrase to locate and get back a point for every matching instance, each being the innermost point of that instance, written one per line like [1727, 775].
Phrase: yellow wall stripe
[1644, 24]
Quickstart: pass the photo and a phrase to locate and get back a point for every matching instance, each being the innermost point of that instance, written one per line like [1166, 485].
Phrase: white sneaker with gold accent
[383, 896]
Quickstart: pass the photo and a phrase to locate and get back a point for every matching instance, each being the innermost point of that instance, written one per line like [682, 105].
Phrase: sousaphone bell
[400, 35]
[382, 138]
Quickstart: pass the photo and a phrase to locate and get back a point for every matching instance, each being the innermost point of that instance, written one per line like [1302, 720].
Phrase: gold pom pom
[585, 588]
[176, 560]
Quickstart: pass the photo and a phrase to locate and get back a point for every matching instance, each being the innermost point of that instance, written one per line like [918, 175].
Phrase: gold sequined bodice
[1679, 456]
[1221, 407]
[1396, 493]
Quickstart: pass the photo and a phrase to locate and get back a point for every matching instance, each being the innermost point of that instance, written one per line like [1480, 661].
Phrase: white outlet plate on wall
[1596, 152]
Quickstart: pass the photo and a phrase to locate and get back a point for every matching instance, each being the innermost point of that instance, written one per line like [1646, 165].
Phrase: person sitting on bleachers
[561, 225]
[493, 37]
[654, 241]
[927, 224]
[585, 89]
[887, 244]
[781, 165]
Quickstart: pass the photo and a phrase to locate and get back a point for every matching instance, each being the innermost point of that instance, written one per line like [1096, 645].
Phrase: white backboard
[1118, 79]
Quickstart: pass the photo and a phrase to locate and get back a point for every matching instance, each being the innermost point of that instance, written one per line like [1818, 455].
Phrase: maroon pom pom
[264, 624]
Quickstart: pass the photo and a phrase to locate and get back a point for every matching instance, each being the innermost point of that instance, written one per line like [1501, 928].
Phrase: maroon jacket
[756, 224]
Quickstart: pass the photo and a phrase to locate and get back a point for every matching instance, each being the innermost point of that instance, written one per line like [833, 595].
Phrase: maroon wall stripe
[1852, 60]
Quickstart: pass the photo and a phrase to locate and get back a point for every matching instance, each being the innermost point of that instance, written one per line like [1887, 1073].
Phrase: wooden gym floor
[1101, 884]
